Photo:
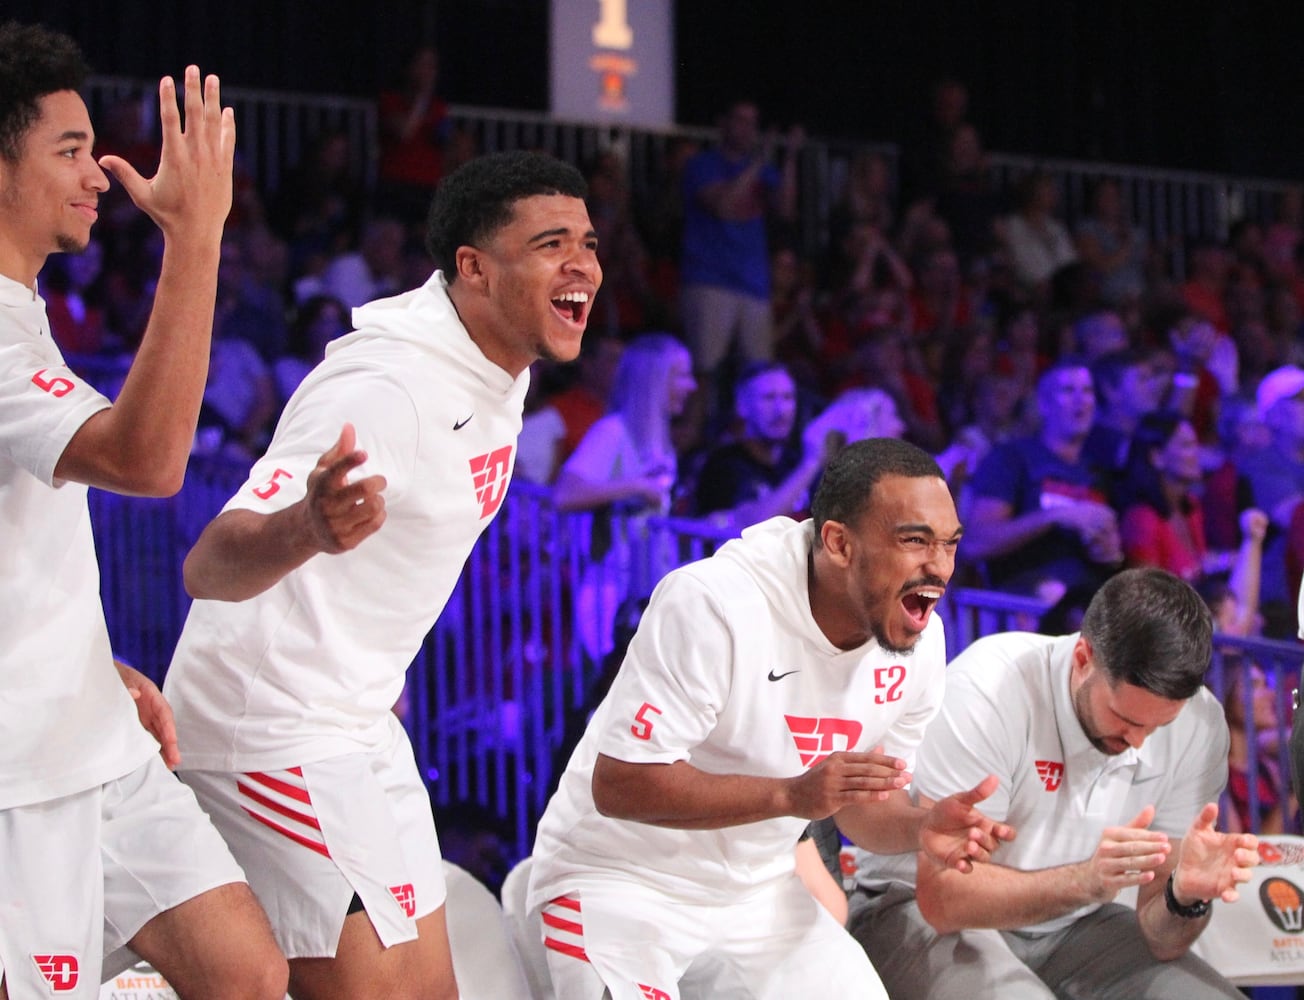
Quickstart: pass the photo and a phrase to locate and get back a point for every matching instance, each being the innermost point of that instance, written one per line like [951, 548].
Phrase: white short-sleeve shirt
[1008, 712]
[729, 672]
[310, 668]
[69, 723]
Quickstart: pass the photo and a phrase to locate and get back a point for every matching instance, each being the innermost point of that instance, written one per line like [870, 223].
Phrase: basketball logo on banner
[1283, 902]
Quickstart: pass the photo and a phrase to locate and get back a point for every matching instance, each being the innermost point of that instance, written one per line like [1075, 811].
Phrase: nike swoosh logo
[778, 677]
[462, 423]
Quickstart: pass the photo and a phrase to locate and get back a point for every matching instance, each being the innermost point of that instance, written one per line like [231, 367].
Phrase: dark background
[1210, 87]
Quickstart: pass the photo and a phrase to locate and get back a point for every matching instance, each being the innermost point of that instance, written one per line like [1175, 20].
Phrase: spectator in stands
[1205, 289]
[1037, 511]
[626, 298]
[1163, 513]
[1035, 239]
[729, 192]
[1097, 333]
[414, 130]
[1281, 242]
[883, 361]
[627, 455]
[867, 196]
[1127, 388]
[967, 199]
[317, 322]
[376, 269]
[1112, 245]
[247, 310]
[1261, 724]
[928, 146]
[585, 398]
[1276, 472]
[771, 469]
[800, 322]
[996, 418]
[1111, 755]
[940, 307]
[626, 460]
[319, 204]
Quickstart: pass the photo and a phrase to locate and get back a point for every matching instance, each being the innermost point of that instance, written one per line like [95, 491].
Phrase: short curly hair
[475, 200]
[34, 61]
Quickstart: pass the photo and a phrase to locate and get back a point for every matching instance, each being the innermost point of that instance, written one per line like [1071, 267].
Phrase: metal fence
[277, 128]
[503, 683]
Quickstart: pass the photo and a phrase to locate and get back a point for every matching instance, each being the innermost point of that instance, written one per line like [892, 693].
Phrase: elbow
[937, 918]
[932, 907]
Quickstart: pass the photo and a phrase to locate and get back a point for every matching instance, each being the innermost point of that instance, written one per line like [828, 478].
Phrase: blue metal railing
[503, 673]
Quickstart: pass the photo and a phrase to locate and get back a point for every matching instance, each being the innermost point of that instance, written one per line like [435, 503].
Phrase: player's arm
[1205, 865]
[952, 832]
[242, 553]
[997, 896]
[142, 443]
[685, 797]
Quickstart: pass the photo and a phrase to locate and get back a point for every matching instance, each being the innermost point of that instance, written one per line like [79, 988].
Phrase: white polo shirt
[1008, 712]
[730, 672]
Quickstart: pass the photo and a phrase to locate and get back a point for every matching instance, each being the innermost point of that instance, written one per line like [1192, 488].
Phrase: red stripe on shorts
[573, 950]
[570, 902]
[296, 837]
[307, 819]
[285, 788]
[562, 924]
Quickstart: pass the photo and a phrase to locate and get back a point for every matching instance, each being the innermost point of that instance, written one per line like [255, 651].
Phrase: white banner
[613, 61]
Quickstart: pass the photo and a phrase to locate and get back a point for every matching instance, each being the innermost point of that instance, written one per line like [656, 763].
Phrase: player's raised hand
[191, 192]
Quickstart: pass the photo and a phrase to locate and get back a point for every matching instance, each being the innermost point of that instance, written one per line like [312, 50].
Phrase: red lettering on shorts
[817, 738]
[60, 971]
[406, 896]
[652, 993]
[489, 476]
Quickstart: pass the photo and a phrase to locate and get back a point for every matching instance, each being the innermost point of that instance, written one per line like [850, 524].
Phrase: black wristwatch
[1194, 911]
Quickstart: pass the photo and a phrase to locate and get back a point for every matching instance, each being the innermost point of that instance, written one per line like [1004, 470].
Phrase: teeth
[932, 595]
[573, 297]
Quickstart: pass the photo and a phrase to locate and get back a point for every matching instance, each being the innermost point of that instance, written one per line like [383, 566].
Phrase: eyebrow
[560, 231]
[72, 134]
[924, 529]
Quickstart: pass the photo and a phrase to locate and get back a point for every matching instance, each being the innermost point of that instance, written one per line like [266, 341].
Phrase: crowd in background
[1093, 403]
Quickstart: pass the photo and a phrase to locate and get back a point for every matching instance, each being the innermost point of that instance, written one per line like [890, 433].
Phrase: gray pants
[1102, 956]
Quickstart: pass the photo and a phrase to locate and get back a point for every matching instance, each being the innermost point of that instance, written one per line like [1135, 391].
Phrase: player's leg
[1103, 956]
[176, 897]
[363, 966]
[342, 854]
[914, 960]
[51, 897]
[618, 940]
[775, 944]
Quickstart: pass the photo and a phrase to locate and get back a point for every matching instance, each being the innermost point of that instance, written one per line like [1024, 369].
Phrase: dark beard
[68, 244]
[883, 643]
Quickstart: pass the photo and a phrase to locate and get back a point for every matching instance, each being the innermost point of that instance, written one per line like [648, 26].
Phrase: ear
[1081, 659]
[837, 543]
[470, 264]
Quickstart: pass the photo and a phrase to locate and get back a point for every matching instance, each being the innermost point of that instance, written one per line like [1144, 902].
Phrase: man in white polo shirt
[1111, 755]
